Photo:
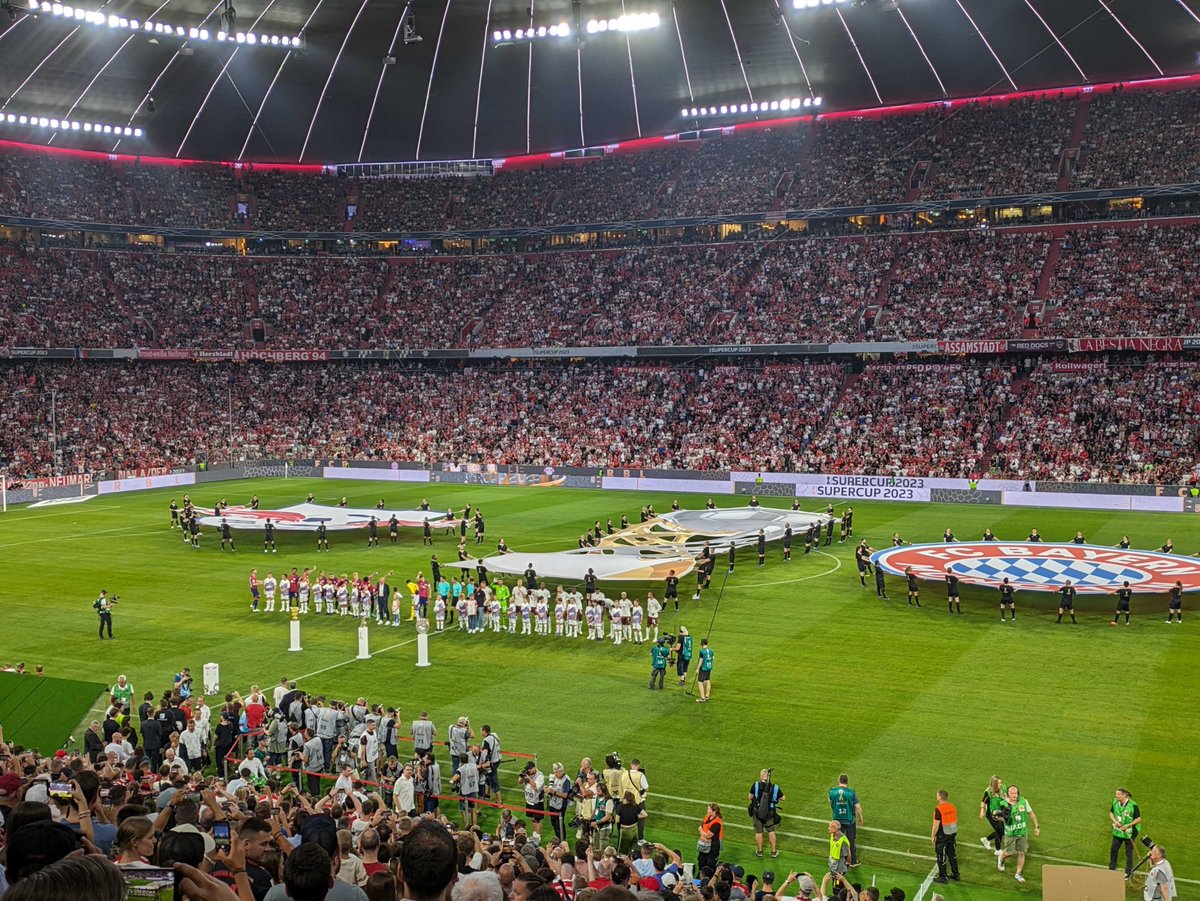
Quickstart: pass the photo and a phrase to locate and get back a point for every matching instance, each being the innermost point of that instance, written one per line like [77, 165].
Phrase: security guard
[945, 838]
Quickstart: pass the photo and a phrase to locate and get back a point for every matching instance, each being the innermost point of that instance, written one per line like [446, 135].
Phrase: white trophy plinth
[212, 678]
[364, 642]
[422, 642]
[295, 632]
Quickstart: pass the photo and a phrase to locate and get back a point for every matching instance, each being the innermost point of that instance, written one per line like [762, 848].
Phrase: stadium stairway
[389, 282]
[1049, 267]
[1070, 159]
[134, 203]
[781, 190]
[1020, 383]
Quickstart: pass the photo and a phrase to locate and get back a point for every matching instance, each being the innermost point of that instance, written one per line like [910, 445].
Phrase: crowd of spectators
[939, 278]
[1132, 281]
[1140, 138]
[1128, 424]
[994, 148]
[1107, 281]
[919, 420]
[954, 420]
[988, 148]
[698, 418]
[287, 794]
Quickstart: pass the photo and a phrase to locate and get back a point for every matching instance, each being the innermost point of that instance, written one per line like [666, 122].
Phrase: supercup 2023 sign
[1040, 566]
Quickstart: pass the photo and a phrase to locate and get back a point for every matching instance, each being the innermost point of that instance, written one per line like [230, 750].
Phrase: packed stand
[405, 204]
[1140, 138]
[915, 420]
[190, 197]
[182, 301]
[287, 201]
[860, 160]
[1124, 282]
[738, 174]
[51, 186]
[58, 299]
[723, 417]
[993, 149]
[323, 302]
[618, 188]
[1106, 424]
[962, 285]
[804, 291]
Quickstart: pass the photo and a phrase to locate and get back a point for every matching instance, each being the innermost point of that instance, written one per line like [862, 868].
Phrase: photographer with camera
[534, 784]
[103, 606]
[558, 792]
[1126, 820]
[765, 797]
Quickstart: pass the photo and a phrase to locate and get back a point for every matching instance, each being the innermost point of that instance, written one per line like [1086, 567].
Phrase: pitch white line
[390, 647]
[86, 537]
[72, 512]
[925, 885]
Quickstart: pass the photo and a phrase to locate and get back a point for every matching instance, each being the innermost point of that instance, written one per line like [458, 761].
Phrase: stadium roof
[454, 94]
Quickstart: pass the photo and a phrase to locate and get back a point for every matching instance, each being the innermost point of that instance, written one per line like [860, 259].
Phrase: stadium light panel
[525, 35]
[624, 23]
[786, 104]
[53, 122]
[813, 4]
[191, 33]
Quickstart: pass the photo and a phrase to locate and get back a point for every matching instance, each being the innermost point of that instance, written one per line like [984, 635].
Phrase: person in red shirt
[368, 847]
[256, 712]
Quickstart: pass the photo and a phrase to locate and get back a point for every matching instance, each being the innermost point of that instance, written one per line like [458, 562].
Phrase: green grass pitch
[814, 675]
[42, 713]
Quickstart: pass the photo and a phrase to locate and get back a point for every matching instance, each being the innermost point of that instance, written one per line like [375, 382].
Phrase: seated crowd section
[990, 147]
[1134, 423]
[1105, 281]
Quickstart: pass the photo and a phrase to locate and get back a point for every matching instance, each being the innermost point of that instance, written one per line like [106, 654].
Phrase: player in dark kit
[848, 521]
[1007, 599]
[373, 533]
[478, 527]
[269, 537]
[426, 534]
[1175, 605]
[1124, 596]
[762, 548]
[914, 587]
[1066, 601]
[829, 532]
[226, 535]
[436, 568]
[787, 544]
[194, 530]
[1124, 545]
[862, 557]
[732, 555]
[393, 529]
[1078, 539]
[808, 537]
[322, 537]
[174, 514]
[880, 587]
[589, 584]
[672, 592]
[1034, 536]
[953, 601]
[948, 536]
[988, 536]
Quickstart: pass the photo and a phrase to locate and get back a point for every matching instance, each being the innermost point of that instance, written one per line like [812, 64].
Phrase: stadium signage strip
[310, 355]
[1041, 566]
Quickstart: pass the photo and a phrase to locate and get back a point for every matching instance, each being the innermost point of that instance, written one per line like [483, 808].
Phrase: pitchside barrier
[813, 489]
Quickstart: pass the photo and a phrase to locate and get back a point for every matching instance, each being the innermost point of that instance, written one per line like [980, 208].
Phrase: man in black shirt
[373, 533]
[322, 537]
[829, 532]
[269, 537]
[426, 533]
[732, 555]
[1066, 602]
[174, 514]
[914, 587]
[762, 548]
[226, 535]
[1007, 600]
[393, 529]
[1124, 596]
[787, 544]
[589, 584]
[672, 592]
[1175, 605]
[862, 558]
[436, 569]
[953, 601]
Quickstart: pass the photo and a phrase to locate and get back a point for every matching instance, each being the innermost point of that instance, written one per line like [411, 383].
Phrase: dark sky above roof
[704, 51]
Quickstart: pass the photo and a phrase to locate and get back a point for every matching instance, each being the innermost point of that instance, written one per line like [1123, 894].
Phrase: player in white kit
[461, 607]
[343, 597]
[637, 615]
[616, 628]
[526, 613]
[269, 585]
[439, 613]
[560, 611]
[626, 617]
[653, 611]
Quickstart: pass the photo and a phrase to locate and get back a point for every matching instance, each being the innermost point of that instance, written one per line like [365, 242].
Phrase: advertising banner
[375, 475]
[117, 486]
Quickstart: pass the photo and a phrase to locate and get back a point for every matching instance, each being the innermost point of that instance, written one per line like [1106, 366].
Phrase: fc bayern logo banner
[1041, 566]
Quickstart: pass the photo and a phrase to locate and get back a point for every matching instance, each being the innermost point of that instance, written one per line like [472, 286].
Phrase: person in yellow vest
[945, 838]
[839, 850]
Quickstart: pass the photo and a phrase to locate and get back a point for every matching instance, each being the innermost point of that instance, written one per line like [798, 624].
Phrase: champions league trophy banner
[648, 551]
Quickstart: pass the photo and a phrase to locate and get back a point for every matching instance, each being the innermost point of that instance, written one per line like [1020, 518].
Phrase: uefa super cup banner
[866, 488]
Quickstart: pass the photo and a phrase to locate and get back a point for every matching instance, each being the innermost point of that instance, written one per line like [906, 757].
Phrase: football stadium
[599, 450]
